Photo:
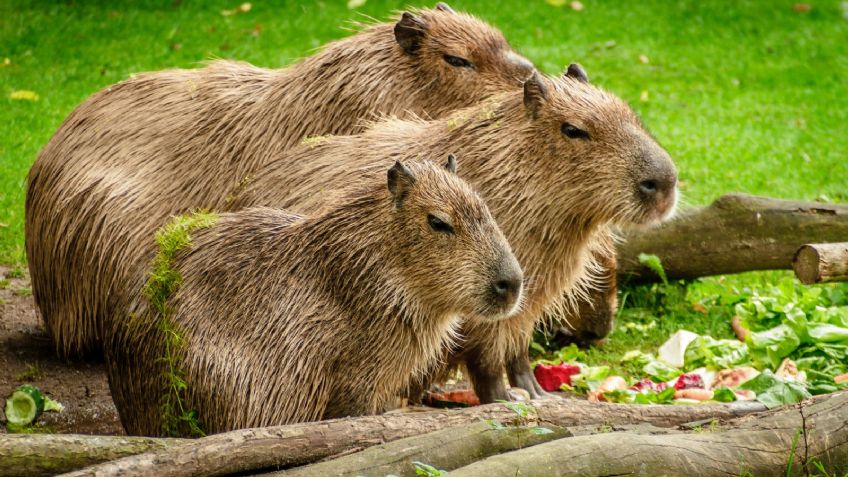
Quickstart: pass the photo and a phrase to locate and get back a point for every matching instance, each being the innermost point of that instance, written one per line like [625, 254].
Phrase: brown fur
[287, 319]
[163, 143]
[551, 194]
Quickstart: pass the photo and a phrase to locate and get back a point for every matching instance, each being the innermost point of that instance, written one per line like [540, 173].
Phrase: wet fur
[289, 319]
[553, 197]
[163, 143]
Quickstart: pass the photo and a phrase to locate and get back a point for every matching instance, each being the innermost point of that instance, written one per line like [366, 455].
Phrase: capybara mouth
[498, 310]
[659, 207]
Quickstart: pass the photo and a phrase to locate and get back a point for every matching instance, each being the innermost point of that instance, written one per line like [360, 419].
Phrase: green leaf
[654, 263]
[715, 354]
[620, 396]
[637, 357]
[723, 394]
[494, 424]
[427, 470]
[828, 333]
[773, 391]
[771, 346]
[521, 408]
[660, 371]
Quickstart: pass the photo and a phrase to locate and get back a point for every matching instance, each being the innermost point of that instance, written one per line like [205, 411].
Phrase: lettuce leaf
[773, 391]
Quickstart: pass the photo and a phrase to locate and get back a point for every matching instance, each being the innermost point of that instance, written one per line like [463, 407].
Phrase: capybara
[556, 163]
[285, 319]
[163, 143]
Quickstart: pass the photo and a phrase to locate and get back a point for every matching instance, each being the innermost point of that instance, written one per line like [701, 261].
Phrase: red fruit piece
[689, 381]
[552, 376]
[648, 385]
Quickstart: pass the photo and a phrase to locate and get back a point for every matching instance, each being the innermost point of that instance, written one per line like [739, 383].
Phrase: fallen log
[736, 233]
[445, 450]
[821, 262]
[299, 444]
[786, 441]
[50, 454]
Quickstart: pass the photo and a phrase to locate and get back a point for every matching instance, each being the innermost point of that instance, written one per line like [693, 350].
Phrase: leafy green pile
[806, 325]
[783, 318]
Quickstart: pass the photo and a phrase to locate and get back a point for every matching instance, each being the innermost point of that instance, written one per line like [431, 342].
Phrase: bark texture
[797, 437]
[736, 233]
[50, 454]
[822, 262]
[299, 444]
[447, 449]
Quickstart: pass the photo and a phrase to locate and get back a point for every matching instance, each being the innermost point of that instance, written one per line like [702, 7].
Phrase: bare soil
[27, 356]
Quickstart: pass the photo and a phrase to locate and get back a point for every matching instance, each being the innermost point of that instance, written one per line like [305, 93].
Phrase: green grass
[746, 96]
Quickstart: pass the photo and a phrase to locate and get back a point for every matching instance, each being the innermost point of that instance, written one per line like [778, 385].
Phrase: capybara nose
[658, 186]
[507, 286]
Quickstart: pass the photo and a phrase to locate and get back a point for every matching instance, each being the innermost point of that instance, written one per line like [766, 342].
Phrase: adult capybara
[556, 163]
[162, 143]
[283, 319]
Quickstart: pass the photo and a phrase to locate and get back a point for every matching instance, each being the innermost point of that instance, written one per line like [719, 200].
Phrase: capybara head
[450, 252]
[595, 146]
[457, 55]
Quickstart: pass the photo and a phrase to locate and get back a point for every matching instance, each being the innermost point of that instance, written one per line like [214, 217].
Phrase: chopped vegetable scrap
[791, 347]
[25, 405]
[552, 376]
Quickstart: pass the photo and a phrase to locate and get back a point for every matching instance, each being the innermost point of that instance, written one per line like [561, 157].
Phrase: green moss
[4, 284]
[33, 429]
[238, 189]
[173, 237]
[164, 280]
[313, 141]
[32, 372]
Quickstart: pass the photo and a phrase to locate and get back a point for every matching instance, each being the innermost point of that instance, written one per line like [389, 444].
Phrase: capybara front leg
[487, 379]
[521, 376]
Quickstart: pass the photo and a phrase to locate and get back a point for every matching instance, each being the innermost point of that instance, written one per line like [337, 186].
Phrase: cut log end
[820, 263]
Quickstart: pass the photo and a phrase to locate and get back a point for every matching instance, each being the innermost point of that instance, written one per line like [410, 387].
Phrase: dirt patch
[27, 356]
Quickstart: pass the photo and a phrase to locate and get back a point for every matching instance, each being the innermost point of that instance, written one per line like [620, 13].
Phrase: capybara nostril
[648, 187]
[507, 286]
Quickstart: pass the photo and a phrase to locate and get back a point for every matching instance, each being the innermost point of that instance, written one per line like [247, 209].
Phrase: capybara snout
[656, 186]
[507, 285]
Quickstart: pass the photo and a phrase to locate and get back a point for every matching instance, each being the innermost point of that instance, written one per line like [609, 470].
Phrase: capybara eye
[573, 132]
[457, 61]
[439, 225]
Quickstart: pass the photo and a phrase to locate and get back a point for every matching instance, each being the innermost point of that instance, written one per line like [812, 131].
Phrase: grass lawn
[747, 96]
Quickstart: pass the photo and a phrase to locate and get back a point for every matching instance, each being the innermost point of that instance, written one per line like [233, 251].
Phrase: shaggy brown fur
[549, 192]
[162, 143]
[287, 319]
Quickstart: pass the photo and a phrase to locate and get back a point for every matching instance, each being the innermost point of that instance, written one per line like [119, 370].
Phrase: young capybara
[285, 319]
[162, 143]
[556, 162]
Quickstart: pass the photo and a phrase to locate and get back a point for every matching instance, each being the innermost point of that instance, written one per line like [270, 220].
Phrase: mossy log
[736, 233]
[447, 449]
[35, 455]
[792, 440]
[299, 444]
[822, 262]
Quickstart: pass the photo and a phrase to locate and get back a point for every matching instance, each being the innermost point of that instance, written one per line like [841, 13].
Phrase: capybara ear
[535, 94]
[451, 164]
[575, 71]
[400, 180]
[442, 6]
[409, 32]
